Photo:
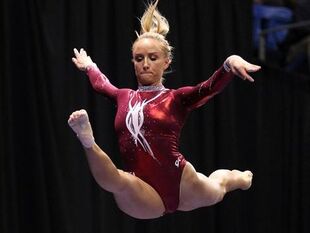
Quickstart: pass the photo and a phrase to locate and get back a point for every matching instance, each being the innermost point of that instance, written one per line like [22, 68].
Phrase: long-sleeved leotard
[148, 123]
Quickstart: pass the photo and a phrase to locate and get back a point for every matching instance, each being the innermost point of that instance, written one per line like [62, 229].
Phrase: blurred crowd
[288, 48]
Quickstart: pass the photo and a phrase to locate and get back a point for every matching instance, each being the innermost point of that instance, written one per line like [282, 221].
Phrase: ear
[167, 63]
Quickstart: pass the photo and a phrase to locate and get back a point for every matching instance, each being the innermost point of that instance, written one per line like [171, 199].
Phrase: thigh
[138, 199]
[197, 190]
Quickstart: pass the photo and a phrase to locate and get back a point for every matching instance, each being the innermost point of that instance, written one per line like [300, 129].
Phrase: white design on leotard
[177, 162]
[134, 122]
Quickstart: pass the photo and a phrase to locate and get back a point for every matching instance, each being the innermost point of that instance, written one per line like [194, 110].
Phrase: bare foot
[245, 179]
[79, 123]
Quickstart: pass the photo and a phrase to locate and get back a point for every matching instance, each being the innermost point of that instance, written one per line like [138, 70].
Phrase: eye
[153, 58]
[138, 58]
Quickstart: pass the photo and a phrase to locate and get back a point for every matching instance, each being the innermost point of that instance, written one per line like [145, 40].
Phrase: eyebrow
[152, 53]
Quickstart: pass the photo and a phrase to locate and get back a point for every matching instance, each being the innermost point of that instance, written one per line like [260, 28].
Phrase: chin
[147, 82]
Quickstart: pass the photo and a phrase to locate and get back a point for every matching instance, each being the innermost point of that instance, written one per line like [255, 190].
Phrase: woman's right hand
[81, 60]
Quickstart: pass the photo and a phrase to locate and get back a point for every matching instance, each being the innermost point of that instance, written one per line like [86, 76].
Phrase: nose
[145, 63]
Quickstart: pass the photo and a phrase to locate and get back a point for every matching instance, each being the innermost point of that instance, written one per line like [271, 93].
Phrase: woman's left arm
[195, 96]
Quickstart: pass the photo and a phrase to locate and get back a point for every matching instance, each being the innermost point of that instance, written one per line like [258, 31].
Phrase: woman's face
[149, 60]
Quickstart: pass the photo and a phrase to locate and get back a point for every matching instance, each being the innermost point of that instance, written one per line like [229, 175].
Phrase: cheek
[160, 68]
[136, 66]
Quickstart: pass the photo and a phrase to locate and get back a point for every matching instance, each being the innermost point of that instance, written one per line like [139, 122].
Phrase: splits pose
[156, 179]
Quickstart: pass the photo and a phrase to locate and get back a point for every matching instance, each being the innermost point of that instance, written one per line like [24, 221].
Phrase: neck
[158, 87]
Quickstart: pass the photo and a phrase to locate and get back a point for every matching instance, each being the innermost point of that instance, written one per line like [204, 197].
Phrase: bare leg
[133, 196]
[233, 179]
[198, 190]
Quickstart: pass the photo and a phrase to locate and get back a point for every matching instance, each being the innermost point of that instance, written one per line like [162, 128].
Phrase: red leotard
[148, 124]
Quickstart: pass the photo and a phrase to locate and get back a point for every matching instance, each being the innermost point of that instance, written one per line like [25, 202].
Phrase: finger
[246, 76]
[253, 68]
[242, 73]
[75, 61]
[249, 78]
[78, 64]
[83, 52]
[237, 72]
[76, 52]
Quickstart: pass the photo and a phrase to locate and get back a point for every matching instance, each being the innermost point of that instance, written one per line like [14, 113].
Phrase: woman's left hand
[241, 67]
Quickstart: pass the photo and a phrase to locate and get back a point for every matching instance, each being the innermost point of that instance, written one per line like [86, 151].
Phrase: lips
[146, 73]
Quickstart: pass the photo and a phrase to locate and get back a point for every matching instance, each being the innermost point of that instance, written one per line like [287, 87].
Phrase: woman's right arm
[98, 80]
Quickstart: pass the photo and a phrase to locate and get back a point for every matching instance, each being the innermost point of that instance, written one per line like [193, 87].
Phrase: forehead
[146, 45]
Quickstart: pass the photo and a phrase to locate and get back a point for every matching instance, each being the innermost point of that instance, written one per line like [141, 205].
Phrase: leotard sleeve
[194, 96]
[100, 82]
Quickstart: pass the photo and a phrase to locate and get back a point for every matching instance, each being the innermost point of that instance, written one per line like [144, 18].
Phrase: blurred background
[45, 182]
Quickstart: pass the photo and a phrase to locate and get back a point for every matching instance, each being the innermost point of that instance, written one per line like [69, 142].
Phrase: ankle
[86, 140]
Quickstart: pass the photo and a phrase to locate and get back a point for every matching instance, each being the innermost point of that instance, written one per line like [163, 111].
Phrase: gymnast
[156, 179]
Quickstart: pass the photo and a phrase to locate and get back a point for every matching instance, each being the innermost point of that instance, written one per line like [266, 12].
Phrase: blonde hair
[155, 26]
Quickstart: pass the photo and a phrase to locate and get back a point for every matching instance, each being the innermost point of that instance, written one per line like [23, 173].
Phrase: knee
[214, 191]
[218, 195]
